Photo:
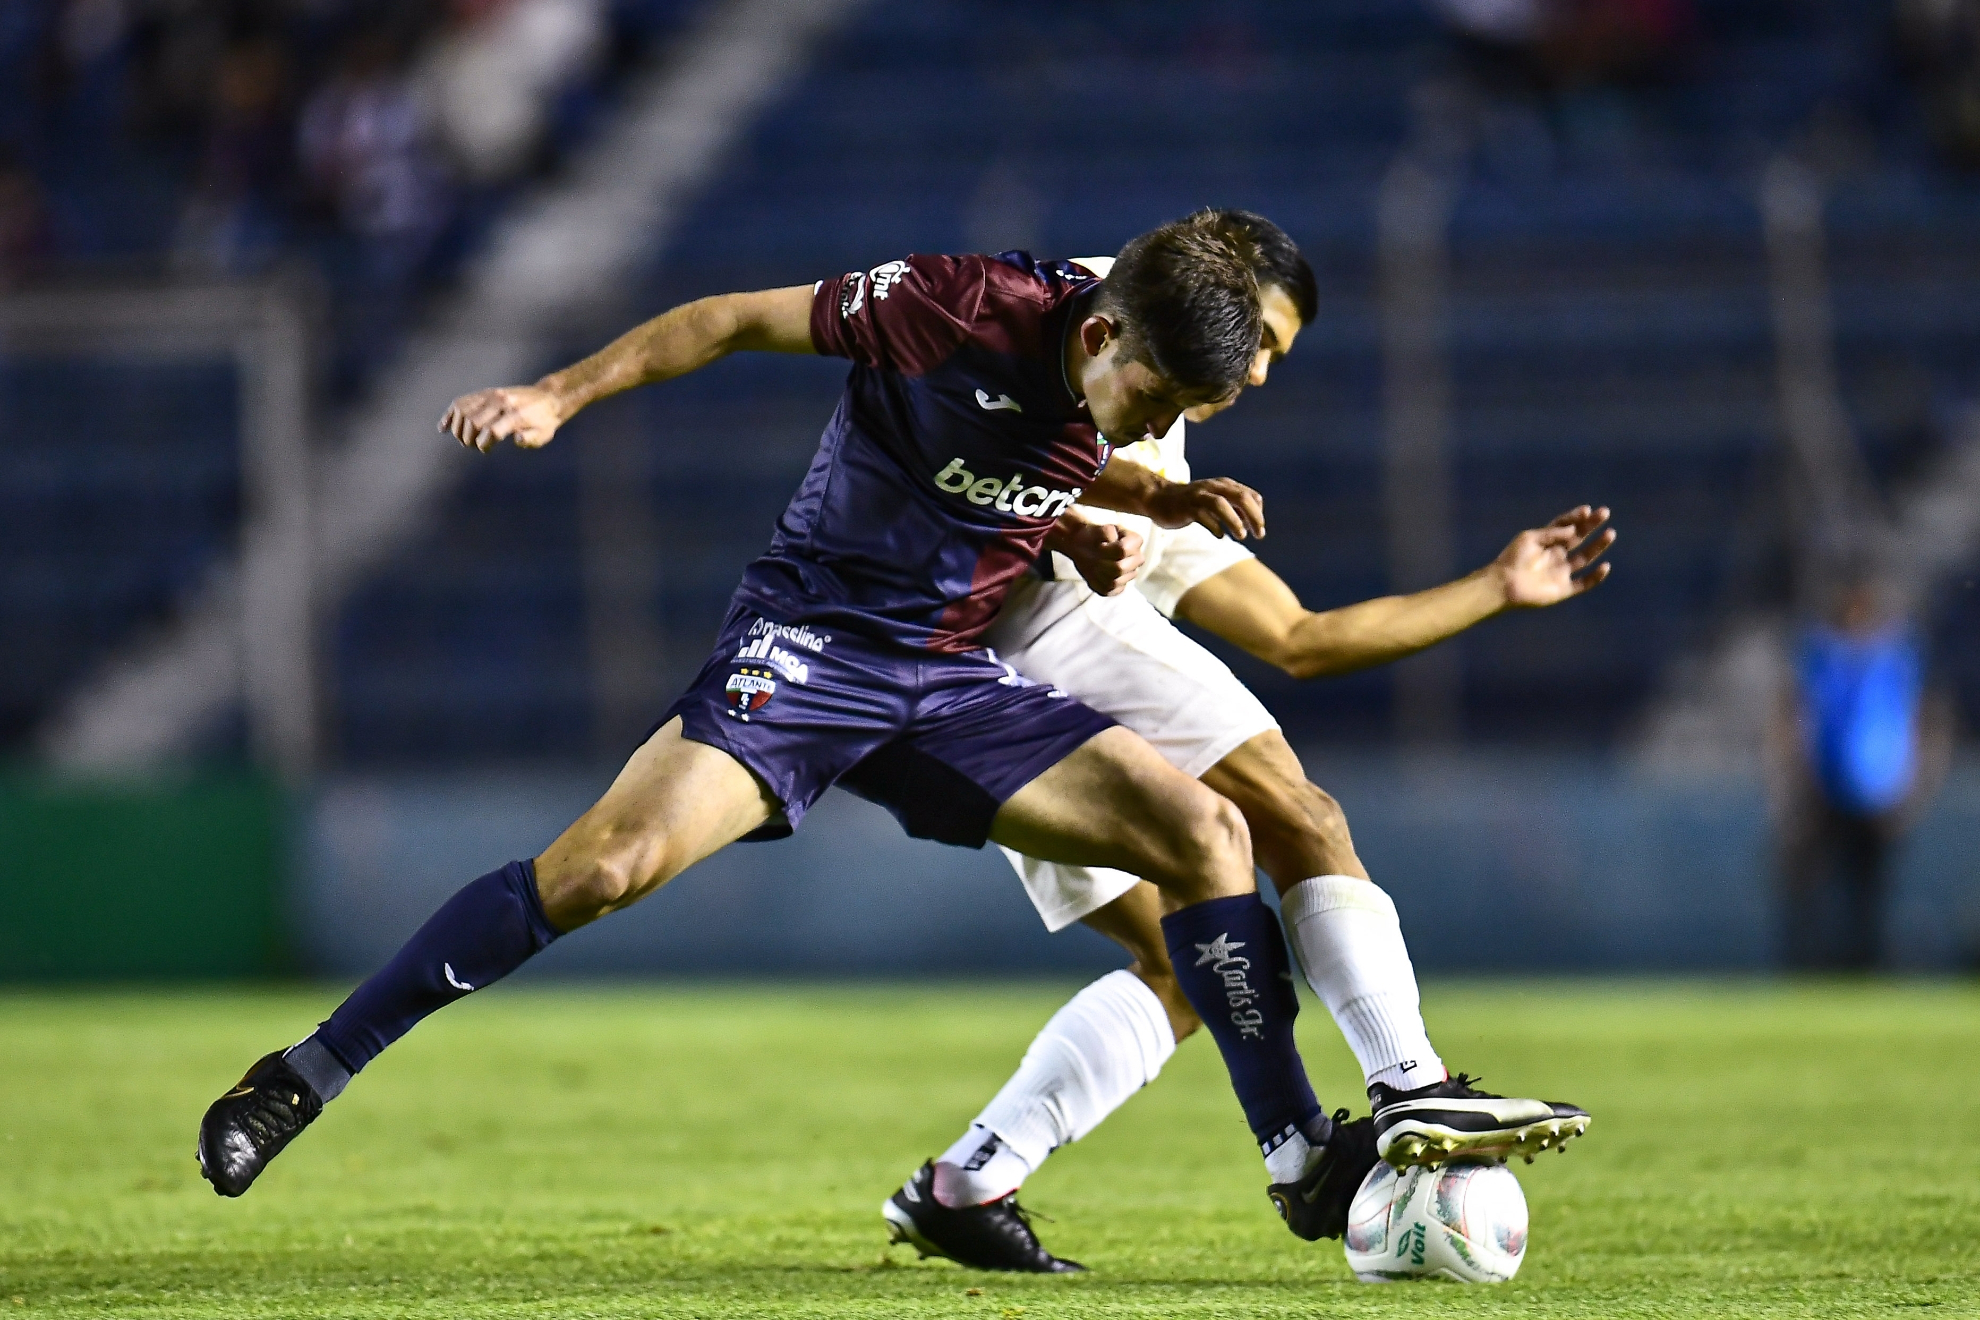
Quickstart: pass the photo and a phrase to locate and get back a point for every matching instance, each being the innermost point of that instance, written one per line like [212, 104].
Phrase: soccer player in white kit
[1120, 653]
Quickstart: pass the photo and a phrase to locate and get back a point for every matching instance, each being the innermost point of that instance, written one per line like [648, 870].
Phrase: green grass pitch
[1757, 1150]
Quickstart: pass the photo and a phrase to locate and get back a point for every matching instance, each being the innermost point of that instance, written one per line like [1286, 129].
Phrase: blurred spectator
[1939, 43]
[223, 134]
[495, 74]
[1860, 747]
[231, 221]
[366, 144]
[1549, 45]
[174, 51]
[26, 236]
[1512, 24]
[367, 151]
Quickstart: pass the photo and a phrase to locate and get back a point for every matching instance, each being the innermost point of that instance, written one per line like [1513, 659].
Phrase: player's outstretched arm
[672, 344]
[1226, 507]
[1251, 606]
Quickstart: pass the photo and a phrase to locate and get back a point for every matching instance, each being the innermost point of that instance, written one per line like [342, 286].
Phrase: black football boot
[1453, 1120]
[996, 1236]
[249, 1126]
[1316, 1206]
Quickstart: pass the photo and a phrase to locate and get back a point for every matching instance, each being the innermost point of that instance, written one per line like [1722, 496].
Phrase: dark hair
[1279, 259]
[1185, 300]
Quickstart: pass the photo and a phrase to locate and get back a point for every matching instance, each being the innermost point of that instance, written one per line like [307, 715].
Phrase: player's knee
[603, 878]
[1215, 847]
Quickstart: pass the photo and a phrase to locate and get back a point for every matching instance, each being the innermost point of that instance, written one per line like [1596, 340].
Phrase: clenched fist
[1108, 557]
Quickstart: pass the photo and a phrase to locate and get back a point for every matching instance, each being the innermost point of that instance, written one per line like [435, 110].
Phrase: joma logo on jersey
[749, 690]
[1006, 494]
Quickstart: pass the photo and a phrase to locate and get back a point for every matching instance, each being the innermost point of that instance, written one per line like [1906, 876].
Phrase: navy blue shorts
[942, 741]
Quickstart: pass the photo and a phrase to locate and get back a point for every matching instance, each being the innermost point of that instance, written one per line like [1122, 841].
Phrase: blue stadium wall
[1538, 863]
[1499, 863]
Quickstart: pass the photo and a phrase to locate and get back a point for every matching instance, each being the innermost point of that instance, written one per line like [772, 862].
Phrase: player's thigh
[1297, 829]
[675, 802]
[1115, 802]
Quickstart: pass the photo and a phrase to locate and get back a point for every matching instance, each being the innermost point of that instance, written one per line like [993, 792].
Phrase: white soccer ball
[1465, 1222]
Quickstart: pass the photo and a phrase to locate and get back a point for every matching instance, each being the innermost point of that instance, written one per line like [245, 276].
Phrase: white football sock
[1109, 1041]
[1350, 945]
[1290, 1160]
[978, 1169]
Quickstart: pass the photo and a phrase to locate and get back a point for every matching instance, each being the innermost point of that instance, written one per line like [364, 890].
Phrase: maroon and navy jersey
[955, 447]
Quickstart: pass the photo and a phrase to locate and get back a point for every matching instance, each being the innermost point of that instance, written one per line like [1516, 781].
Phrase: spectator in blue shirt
[1867, 748]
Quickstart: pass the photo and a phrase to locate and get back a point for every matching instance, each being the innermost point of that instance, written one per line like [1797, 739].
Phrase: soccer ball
[1465, 1222]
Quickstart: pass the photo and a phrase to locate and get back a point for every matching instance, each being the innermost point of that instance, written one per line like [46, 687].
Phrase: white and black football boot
[1316, 1206]
[249, 1126]
[1453, 1120]
[996, 1236]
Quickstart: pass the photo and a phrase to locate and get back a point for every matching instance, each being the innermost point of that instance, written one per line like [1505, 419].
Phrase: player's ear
[1095, 333]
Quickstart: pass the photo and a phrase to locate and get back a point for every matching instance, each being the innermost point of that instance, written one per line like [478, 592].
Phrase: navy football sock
[1231, 962]
[478, 936]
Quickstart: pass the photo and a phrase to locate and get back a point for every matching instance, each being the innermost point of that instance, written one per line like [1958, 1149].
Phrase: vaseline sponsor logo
[795, 633]
[1006, 494]
[762, 645]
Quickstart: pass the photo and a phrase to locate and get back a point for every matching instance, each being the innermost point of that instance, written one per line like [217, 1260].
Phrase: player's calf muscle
[1134, 921]
[1297, 829]
[1302, 832]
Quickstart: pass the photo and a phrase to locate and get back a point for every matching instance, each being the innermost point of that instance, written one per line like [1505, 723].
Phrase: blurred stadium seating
[1610, 339]
[1609, 335]
[143, 143]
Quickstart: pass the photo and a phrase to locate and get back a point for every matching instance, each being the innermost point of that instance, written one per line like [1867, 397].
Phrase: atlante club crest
[750, 689]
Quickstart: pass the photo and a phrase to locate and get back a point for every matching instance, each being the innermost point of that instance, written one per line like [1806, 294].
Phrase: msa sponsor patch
[763, 645]
[749, 690]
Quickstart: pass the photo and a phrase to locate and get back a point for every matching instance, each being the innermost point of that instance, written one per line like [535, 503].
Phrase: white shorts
[1119, 655]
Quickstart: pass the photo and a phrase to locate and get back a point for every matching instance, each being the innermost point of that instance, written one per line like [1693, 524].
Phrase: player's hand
[524, 415]
[1226, 507]
[1547, 565]
[1108, 557]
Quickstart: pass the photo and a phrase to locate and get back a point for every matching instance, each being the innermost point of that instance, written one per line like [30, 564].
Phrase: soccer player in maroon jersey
[1116, 651]
[983, 400]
